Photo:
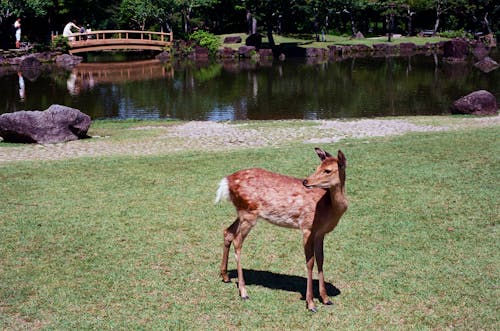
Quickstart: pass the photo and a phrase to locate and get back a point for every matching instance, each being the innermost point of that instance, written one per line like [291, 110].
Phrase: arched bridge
[118, 39]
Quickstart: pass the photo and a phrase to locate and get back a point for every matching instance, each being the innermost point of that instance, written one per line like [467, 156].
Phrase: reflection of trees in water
[360, 87]
[353, 88]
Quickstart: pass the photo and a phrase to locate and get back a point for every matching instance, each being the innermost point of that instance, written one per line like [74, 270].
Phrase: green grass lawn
[135, 242]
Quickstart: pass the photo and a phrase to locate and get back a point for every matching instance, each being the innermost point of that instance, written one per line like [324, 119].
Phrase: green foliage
[456, 34]
[134, 14]
[207, 40]
[60, 43]
[208, 73]
[217, 16]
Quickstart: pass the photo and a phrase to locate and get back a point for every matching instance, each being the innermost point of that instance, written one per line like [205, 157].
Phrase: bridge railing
[115, 39]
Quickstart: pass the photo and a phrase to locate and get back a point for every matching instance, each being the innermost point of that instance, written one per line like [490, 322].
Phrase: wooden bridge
[118, 39]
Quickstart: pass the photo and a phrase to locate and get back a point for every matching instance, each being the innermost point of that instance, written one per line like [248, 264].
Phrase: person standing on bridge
[67, 32]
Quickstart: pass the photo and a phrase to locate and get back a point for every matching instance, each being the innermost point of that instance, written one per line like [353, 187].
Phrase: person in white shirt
[17, 27]
[67, 32]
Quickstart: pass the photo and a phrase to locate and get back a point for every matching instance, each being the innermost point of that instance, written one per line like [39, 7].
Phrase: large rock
[201, 52]
[163, 57]
[246, 51]
[477, 103]
[315, 52]
[254, 40]
[31, 68]
[455, 50]
[232, 40]
[266, 53]
[407, 48]
[480, 51]
[486, 65]
[56, 124]
[68, 61]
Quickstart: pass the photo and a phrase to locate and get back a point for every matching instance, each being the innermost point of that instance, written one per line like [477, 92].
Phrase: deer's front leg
[309, 252]
[238, 241]
[318, 252]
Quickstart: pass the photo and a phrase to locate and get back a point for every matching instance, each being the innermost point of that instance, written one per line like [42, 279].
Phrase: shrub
[60, 43]
[456, 34]
[207, 40]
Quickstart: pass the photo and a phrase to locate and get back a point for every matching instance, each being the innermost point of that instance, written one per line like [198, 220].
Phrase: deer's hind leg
[246, 223]
[229, 235]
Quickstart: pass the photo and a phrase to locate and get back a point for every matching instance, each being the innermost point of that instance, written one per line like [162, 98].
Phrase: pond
[240, 90]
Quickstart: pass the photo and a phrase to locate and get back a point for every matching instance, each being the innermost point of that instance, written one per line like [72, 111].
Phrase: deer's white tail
[222, 191]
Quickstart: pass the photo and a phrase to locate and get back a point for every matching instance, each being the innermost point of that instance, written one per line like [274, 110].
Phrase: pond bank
[146, 138]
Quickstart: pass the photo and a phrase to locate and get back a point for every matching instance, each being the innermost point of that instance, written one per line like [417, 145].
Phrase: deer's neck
[337, 195]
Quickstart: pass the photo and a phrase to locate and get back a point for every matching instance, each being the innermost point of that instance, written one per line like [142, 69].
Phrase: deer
[313, 205]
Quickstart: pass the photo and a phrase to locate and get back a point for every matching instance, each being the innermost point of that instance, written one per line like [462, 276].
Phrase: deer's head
[330, 173]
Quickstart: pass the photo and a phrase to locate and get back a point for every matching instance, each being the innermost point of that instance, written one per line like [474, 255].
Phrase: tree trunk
[269, 19]
[487, 23]
[353, 27]
[438, 15]
[436, 25]
[270, 37]
[410, 19]
[249, 22]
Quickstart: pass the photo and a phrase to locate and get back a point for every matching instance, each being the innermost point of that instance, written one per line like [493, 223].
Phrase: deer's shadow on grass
[282, 282]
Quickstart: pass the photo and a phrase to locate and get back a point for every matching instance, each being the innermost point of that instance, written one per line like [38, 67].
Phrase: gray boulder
[68, 61]
[455, 50]
[163, 57]
[480, 51]
[486, 64]
[476, 103]
[56, 124]
[31, 68]
[232, 40]
[246, 51]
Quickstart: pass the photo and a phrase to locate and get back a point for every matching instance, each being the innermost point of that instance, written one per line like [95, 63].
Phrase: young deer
[313, 205]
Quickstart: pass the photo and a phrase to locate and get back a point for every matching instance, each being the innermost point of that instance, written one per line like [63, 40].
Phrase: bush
[456, 34]
[60, 43]
[207, 40]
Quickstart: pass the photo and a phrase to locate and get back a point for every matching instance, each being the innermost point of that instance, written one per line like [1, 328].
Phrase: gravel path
[222, 136]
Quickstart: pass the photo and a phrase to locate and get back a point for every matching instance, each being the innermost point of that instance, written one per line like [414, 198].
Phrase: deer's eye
[327, 171]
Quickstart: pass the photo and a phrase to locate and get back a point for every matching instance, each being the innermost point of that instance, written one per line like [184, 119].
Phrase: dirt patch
[223, 136]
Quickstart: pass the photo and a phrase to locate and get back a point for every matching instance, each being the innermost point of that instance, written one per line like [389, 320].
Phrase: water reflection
[86, 76]
[235, 90]
[22, 88]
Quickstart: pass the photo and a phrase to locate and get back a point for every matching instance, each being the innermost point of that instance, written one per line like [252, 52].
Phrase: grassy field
[135, 242]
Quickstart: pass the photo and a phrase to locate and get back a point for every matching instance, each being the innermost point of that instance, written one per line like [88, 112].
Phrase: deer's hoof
[328, 303]
[227, 281]
[245, 297]
[313, 310]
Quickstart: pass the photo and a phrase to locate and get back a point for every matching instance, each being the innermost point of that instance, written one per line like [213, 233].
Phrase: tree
[139, 12]
[187, 7]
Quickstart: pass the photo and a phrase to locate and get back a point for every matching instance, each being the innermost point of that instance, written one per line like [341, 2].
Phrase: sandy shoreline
[214, 136]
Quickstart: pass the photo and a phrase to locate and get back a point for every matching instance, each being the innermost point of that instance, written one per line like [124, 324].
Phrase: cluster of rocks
[32, 65]
[189, 50]
[458, 50]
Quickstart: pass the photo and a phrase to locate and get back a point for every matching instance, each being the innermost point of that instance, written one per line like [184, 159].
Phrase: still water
[292, 89]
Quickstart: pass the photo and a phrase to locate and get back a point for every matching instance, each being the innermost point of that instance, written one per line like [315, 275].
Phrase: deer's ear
[322, 154]
[342, 161]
